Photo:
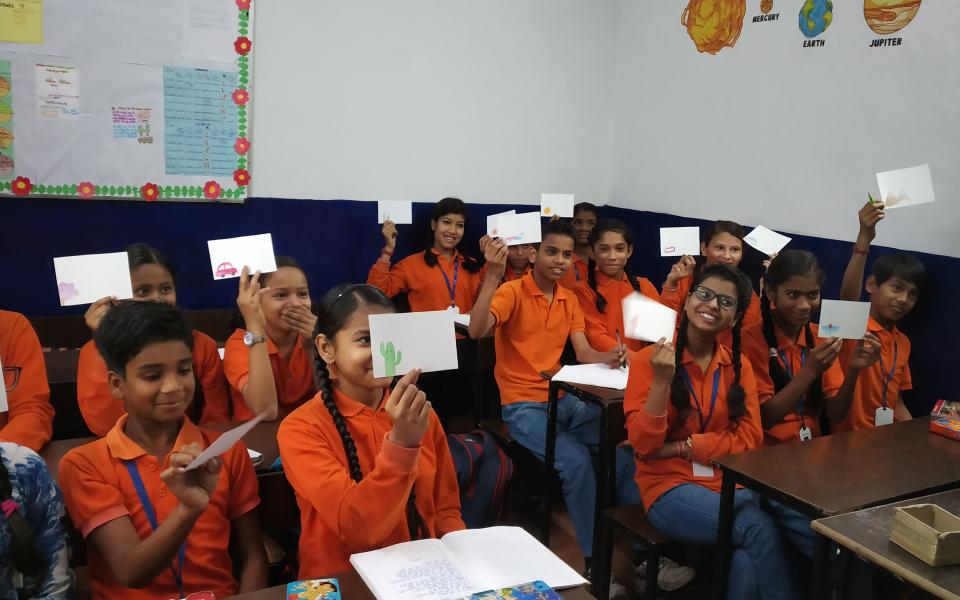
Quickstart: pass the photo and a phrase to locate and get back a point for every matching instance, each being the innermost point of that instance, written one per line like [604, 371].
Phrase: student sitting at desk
[154, 530]
[28, 420]
[585, 217]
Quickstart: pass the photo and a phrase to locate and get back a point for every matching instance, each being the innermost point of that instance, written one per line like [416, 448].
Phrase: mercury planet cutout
[714, 24]
[889, 16]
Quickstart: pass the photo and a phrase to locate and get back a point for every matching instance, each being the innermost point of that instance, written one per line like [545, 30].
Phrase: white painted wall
[490, 100]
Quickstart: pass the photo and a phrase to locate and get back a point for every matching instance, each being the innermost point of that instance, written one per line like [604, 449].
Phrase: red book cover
[946, 407]
[946, 426]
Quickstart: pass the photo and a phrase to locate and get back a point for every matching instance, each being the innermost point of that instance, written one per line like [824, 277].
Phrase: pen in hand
[620, 348]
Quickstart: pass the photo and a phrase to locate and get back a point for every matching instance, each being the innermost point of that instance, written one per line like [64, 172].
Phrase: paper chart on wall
[7, 160]
[200, 119]
[21, 21]
[58, 91]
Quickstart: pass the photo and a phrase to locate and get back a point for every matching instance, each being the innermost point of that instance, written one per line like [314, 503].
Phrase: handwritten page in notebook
[419, 570]
[594, 374]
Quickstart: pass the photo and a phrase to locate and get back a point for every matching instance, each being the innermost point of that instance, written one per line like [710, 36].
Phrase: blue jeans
[577, 432]
[794, 525]
[758, 569]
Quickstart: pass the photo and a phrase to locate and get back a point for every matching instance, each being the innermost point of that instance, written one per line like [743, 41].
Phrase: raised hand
[664, 361]
[681, 269]
[870, 214]
[389, 231]
[409, 409]
[866, 353]
[248, 301]
[495, 253]
[823, 355]
[193, 488]
[95, 313]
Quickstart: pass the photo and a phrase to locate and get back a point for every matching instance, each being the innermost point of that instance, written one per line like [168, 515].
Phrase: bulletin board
[132, 99]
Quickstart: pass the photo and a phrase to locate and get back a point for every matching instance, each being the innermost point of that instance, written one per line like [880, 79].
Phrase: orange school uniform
[647, 433]
[511, 275]
[530, 335]
[675, 299]
[428, 288]
[98, 488]
[890, 374]
[293, 378]
[28, 420]
[101, 410]
[340, 517]
[755, 348]
[575, 274]
[602, 328]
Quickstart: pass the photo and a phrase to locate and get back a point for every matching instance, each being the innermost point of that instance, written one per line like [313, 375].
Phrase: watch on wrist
[250, 339]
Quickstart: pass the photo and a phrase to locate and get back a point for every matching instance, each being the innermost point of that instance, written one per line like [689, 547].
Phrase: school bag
[483, 473]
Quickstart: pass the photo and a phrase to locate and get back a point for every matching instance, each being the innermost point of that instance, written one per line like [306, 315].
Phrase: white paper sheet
[906, 187]
[647, 320]
[519, 229]
[398, 211]
[404, 341]
[847, 320]
[552, 205]
[58, 91]
[766, 241]
[208, 30]
[417, 570]
[679, 241]
[493, 227]
[224, 442]
[597, 374]
[229, 256]
[86, 278]
[3, 389]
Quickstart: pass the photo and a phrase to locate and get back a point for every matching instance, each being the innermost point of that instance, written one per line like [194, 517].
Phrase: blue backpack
[483, 472]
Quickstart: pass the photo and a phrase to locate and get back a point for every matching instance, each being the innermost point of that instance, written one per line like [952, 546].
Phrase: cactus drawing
[391, 357]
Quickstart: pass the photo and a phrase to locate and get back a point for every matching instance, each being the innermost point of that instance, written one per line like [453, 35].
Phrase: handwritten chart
[200, 121]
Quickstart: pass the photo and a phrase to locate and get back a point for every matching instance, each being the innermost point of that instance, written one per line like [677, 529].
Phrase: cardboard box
[928, 532]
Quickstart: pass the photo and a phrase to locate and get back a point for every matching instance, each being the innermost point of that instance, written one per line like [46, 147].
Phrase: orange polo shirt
[755, 348]
[424, 285]
[29, 418]
[511, 275]
[675, 299]
[647, 433]
[101, 410]
[340, 517]
[530, 335]
[98, 489]
[602, 327]
[293, 378]
[868, 395]
[575, 274]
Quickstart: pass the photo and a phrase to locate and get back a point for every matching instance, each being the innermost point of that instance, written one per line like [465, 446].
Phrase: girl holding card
[691, 402]
[370, 466]
[443, 276]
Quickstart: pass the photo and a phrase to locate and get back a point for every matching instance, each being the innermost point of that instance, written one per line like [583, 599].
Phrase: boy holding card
[26, 417]
[534, 317]
[154, 530]
[894, 288]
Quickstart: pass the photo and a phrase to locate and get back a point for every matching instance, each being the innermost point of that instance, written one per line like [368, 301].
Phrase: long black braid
[608, 226]
[335, 308]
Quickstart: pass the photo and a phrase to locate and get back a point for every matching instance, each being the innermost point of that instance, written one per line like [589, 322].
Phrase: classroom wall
[493, 101]
[338, 241]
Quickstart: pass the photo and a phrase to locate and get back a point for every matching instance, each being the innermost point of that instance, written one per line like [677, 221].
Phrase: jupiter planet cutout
[889, 16]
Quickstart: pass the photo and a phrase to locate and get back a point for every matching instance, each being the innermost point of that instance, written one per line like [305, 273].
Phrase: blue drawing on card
[200, 121]
[829, 330]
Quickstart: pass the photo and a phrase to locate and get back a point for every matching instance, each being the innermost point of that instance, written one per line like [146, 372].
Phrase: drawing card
[518, 229]
[766, 241]
[647, 320]
[679, 241]
[843, 319]
[86, 278]
[404, 341]
[493, 227]
[398, 211]
[906, 187]
[229, 256]
[224, 442]
[556, 205]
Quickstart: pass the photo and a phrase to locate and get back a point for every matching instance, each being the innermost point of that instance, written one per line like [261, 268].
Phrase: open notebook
[460, 564]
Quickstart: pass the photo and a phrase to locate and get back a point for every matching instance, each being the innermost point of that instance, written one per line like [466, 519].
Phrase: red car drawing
[226, 270]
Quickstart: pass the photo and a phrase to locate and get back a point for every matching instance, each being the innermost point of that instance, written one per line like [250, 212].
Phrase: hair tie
[8, 507]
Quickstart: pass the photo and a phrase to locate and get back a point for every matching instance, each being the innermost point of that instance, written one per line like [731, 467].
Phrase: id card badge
[884, 416]
[453, 309]
[700, 470]
[805, 434]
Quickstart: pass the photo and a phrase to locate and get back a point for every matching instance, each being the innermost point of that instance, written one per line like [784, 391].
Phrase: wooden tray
[928, 532]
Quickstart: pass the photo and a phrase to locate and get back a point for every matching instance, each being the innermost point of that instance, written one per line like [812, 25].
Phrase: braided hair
[787, 264]
[608, 226]
[449, 206]
[736, 396]
[335, 308]
[26, 558]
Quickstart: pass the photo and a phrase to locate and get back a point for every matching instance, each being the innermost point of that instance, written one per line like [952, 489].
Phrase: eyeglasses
[705, 294]
[11, 377]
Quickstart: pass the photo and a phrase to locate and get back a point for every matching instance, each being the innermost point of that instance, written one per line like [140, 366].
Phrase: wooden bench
[633, 521]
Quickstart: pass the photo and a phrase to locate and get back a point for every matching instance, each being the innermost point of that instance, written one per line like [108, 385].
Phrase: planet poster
[889, 16]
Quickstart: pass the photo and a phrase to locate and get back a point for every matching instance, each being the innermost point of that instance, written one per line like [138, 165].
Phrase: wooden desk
[353, 588]
[612, 431]
[867, 532]
[837, 474]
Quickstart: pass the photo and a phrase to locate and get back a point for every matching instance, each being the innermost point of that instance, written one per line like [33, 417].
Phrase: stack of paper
[597, 374]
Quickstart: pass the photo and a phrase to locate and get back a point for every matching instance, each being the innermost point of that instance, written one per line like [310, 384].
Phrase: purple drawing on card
[67, 291]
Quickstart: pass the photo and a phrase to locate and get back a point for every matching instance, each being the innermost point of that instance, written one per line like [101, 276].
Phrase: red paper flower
[241, 96]
[242, 145]
[86, 189]
[21, 186]
[242, 177]
[243, 4]
[242, 45]
[150, 192]
[211, 190]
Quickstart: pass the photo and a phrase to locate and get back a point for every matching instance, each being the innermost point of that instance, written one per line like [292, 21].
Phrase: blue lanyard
[456, 275]
[789, 369]
[713, 397]
[889, 376]
[152, 517]
[576, 272]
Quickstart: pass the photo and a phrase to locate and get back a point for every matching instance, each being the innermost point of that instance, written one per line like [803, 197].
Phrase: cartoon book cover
[946, 426]
[314, 589]
[535, 590]
[946, 408]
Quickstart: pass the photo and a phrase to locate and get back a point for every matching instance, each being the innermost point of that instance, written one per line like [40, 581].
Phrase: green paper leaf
[241, 163]
[41, 189]
[58, 189]
[113, 190]
[167, 190]
[176, 191]
[73, 189]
